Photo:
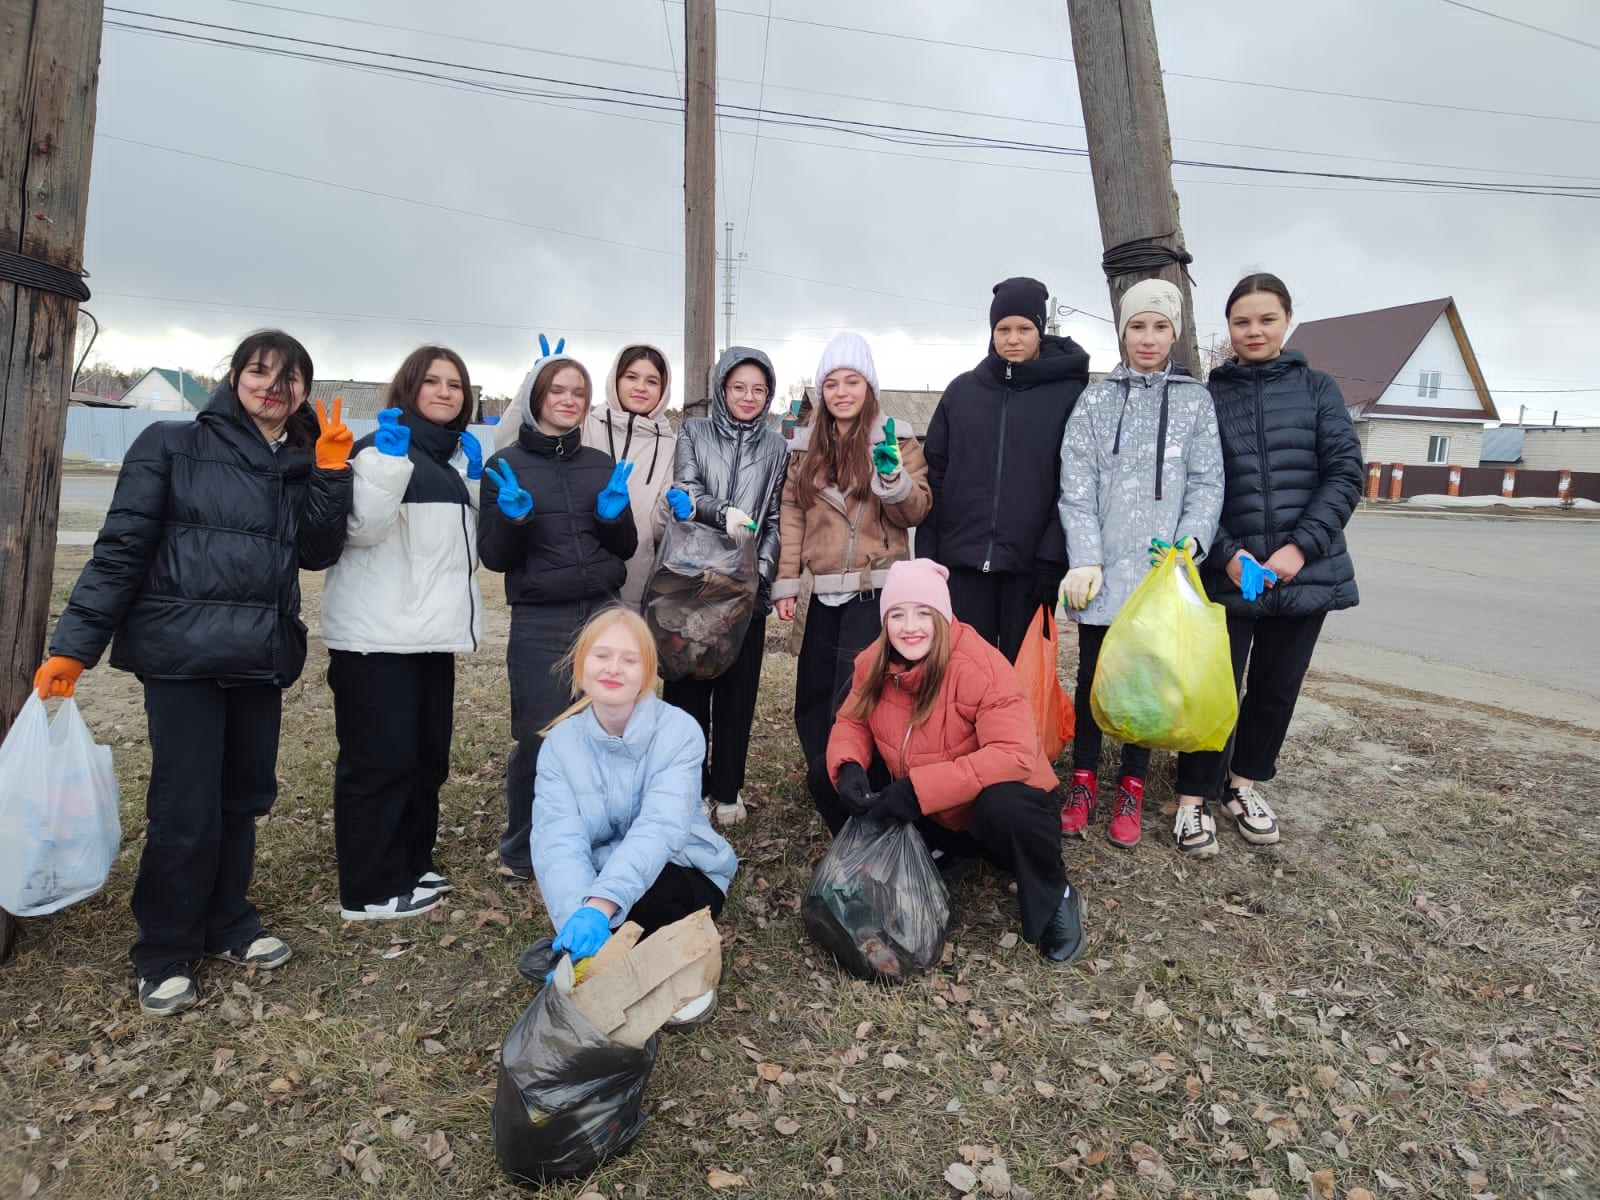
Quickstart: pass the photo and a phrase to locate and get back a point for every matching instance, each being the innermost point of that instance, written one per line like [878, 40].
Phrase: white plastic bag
[59, 829]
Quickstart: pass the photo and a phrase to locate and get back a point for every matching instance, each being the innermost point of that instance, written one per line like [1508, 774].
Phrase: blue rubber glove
[392, 438]
[1253, 577]
[513, 500]
[613, 497]
[585, 932]
[544, 347]
[1159, 549]
[473, 449]
[897, 802]
[680, 504]
[886, 454]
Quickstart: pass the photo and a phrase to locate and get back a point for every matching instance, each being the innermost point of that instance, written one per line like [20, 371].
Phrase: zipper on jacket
[472, 607]
[1267, 522]
[999, 464]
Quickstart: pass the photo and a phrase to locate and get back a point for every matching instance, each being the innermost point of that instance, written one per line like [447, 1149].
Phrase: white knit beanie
[848, 350]
[1153, 296]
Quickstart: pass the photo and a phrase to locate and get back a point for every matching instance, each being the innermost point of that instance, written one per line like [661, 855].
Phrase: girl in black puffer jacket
[197, 575]
[1279, 563]
[553, 516]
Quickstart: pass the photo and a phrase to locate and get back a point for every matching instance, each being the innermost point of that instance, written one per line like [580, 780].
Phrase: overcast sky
[367, 212]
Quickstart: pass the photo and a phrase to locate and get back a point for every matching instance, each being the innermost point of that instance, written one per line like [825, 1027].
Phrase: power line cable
[755, 146]
[1565, 37]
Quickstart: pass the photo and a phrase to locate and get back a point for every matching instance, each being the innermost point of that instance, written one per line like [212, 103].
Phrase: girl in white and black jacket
[398, 606]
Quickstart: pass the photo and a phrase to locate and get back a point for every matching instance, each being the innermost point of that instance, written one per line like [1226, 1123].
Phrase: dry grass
[1403, 997]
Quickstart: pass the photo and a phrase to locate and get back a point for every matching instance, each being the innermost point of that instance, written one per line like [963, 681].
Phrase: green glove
[886, 454]
[1159, 549]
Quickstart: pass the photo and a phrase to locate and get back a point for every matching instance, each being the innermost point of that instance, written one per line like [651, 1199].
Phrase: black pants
[677, 892]
[393, 714]
[1086, 737]
[999, 605]
[213, 771]
[1015, 827]
[1278, 653]
[835, 634]
[541, 636]
[725, 707]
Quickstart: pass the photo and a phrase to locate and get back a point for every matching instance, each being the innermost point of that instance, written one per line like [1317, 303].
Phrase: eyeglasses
[742, 390]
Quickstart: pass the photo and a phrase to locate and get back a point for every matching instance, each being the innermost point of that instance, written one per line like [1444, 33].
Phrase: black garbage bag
[568, 1097]
[700, 598]
[876, 901]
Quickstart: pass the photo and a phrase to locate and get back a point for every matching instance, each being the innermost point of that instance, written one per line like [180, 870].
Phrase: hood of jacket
[525, 392]
[721, 415]
[613, 402]
[1059, 358]
[1235, 372]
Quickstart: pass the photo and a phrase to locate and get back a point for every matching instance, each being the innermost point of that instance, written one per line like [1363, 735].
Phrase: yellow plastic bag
[1165, 676]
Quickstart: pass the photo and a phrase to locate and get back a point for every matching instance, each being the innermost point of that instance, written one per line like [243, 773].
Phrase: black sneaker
[396, 908]
[166, 997]
[514, 876]
[1062, 940]
[264, 951]
[432, 881]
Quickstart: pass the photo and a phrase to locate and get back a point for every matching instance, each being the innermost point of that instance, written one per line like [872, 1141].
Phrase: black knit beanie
[1019, 297]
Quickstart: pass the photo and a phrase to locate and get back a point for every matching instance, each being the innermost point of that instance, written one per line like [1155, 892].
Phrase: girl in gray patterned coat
[1141, 472]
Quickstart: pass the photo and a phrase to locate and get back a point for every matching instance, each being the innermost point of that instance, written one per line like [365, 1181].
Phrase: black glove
[897, 802]
[1047, 584]
[853, 788]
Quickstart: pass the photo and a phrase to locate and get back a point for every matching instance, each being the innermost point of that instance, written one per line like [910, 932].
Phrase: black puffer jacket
[197, 569]
[563, 550]
[1293, 473]
[994, 463]
[723, 463]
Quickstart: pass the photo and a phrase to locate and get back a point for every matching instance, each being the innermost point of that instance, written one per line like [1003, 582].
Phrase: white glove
[738, 522]
[1082, 584]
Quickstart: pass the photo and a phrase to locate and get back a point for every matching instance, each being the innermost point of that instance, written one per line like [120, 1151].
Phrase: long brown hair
[934, 665]
[843, 460]
[407, 382]
[572, 662]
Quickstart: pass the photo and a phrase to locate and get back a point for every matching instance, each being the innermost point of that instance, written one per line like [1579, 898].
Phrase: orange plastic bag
[1036, 665]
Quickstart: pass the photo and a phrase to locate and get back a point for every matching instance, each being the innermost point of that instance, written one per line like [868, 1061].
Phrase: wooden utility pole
[49, 66]
[1130, 151]
[699, 201]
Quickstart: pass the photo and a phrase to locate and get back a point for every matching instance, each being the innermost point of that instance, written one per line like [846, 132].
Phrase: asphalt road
[1511, 601]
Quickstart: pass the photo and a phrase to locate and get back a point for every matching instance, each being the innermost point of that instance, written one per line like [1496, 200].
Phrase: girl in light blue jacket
[618, 831]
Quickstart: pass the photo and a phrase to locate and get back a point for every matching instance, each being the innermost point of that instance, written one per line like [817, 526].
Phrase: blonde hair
[572, 661]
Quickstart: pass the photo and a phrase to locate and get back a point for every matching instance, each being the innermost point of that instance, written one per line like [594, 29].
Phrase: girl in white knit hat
[856, 485]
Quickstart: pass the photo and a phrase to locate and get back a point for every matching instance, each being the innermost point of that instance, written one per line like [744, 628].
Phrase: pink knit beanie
[916, 581]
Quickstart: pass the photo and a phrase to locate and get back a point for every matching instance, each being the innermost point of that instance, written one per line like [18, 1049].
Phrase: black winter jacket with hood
[994, 463]
[722, 463]
[196, 571]
[1293, 473]
[563, 550]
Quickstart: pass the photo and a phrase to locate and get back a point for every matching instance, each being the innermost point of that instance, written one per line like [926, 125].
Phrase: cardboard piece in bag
[631, 988]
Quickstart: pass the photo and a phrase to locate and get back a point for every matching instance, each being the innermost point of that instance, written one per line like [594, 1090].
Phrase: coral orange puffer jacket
[980, 733]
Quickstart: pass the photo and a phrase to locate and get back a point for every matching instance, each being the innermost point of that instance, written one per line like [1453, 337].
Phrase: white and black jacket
[407, 580]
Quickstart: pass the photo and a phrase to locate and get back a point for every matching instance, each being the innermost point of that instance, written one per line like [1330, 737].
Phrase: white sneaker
[419, 901]
[432, 881]
[732, 814]
[265, 952]
[166, 997]
[1195, 831]
[697, 1012]
[706, 807]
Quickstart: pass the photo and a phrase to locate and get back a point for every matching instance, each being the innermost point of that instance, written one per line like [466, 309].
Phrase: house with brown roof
[1409, 378]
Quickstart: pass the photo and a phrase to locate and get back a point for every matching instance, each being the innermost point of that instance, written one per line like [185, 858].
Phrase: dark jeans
[541, 636]
[393, 714]
[1278, 652]
[213, 771]
[1015, 827]
[999, 605]
[725, 707]
[835, 634]
[677, 892]
[1086, 738]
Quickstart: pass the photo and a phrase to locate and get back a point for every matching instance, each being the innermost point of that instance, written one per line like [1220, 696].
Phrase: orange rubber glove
[333, 445]
[57, 677]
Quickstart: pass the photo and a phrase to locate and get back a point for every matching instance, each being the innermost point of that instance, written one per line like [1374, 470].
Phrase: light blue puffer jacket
[610, 812]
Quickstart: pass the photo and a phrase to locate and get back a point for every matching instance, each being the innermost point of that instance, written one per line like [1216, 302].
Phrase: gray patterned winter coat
[1140, 459]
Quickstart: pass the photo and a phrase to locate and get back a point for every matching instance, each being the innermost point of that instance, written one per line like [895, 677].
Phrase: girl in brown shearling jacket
[854, 490]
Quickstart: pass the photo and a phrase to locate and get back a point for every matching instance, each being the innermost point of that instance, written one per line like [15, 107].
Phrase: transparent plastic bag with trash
[59, 827]
[700, 599]
[876, 901]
